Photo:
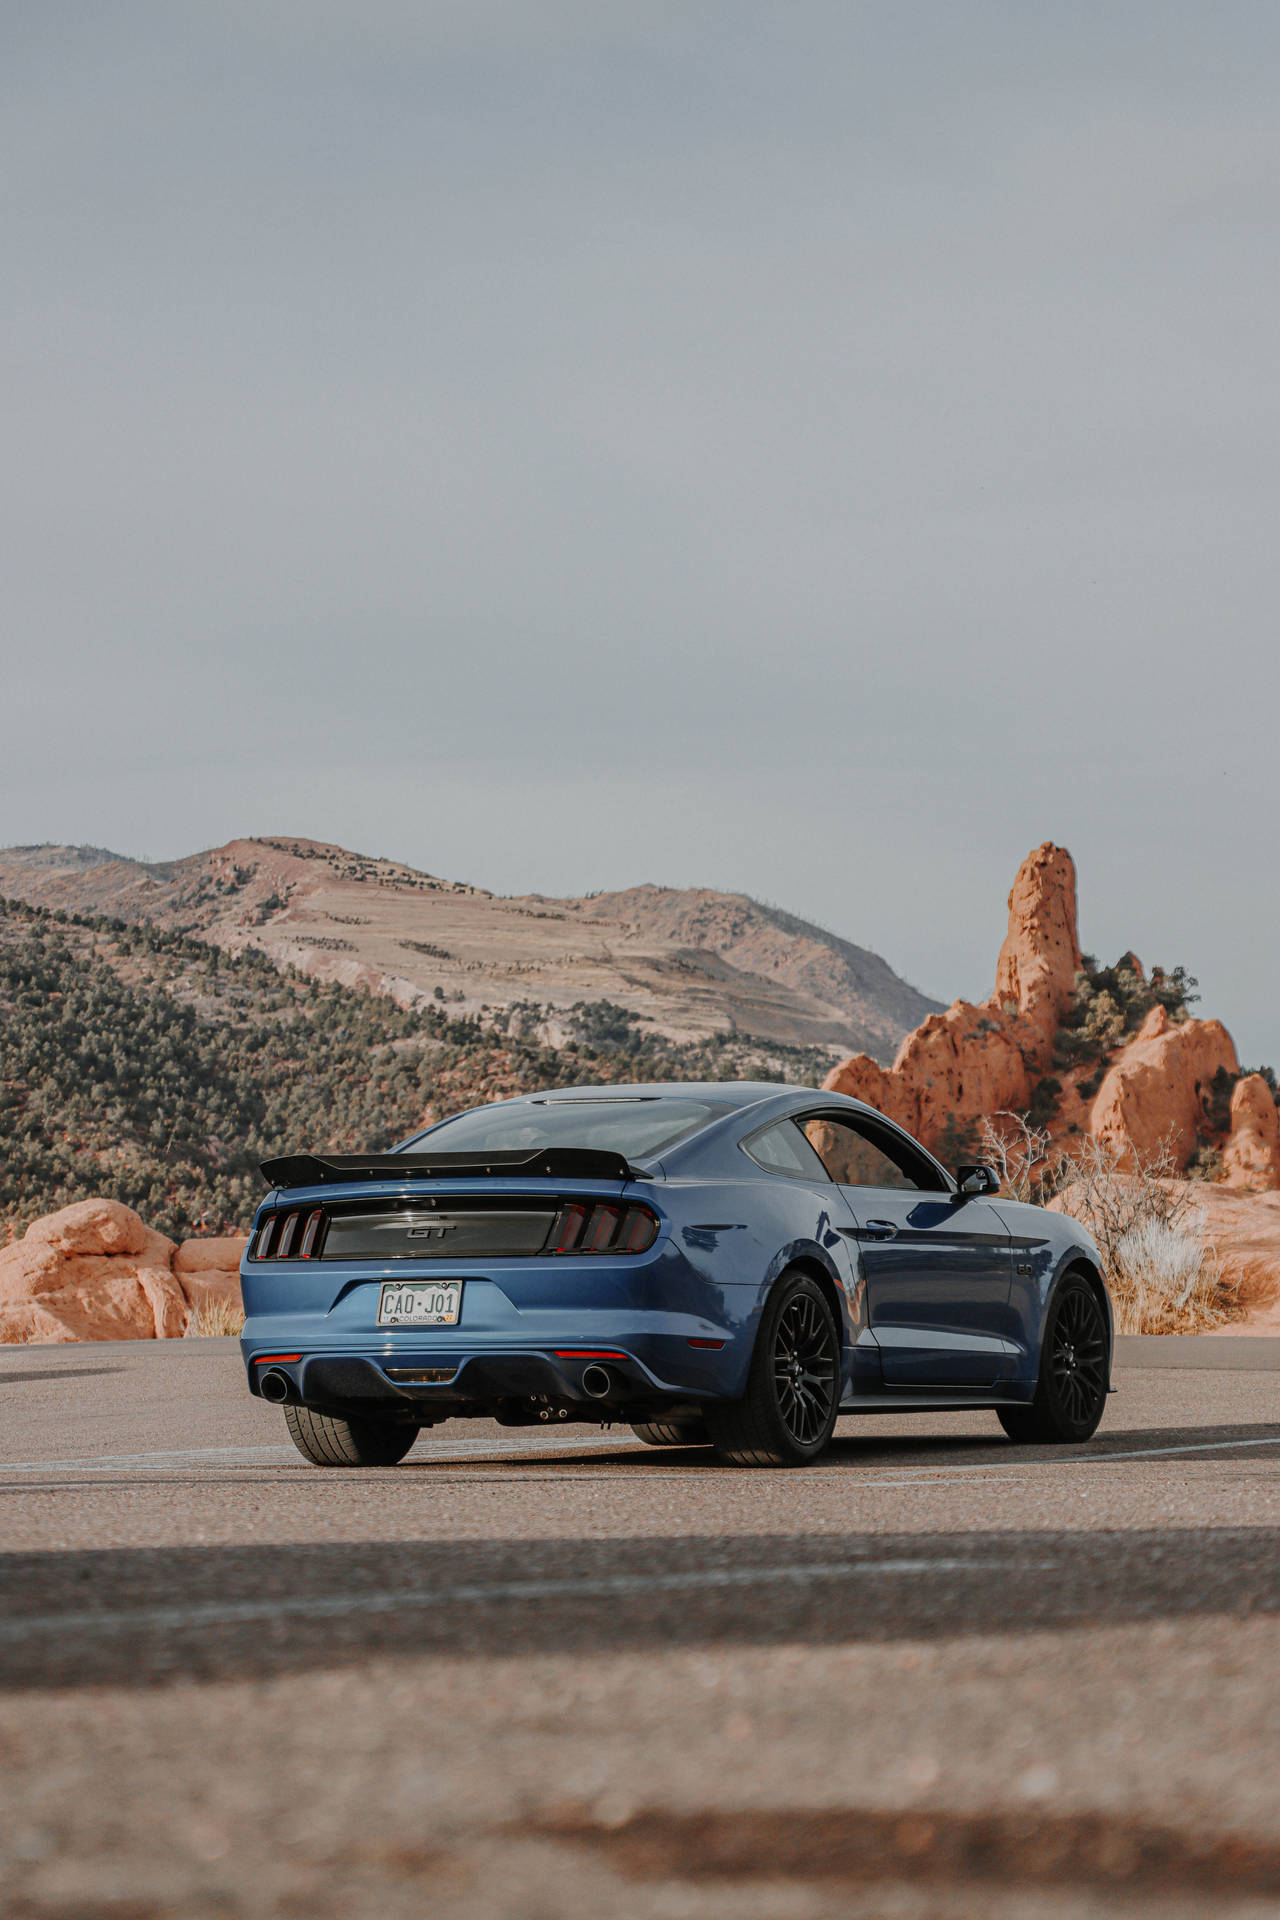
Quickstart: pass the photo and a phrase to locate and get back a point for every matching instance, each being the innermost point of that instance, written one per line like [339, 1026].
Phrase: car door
[938, 1269]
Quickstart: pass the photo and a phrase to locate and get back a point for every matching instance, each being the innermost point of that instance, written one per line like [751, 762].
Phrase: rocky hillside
[1083, 1049]
[156, 1070]
[689, 963]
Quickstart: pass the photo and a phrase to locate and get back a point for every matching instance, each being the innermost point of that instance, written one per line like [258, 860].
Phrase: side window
[784, 1149]
[858, 1155]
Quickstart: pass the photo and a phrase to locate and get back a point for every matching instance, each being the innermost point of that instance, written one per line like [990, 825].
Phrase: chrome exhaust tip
[597, 1382]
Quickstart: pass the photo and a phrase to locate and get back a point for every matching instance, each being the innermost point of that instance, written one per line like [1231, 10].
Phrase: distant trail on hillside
[687, 962]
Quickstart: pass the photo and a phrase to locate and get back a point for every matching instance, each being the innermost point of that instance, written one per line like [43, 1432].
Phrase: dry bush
[1163, 1276]
[1168, 1282]
[1252, 1281]
[1165, 1280]
[215, 1318]
[1112, 1192]
[1019, 1152]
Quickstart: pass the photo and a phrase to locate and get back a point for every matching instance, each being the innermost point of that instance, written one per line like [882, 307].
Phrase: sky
[817, 450]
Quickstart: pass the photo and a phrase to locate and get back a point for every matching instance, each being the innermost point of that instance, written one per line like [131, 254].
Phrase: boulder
[208, 1270]
[96, 1271]
[92, 1271]
[98, 1227]
[1251, 1158]
[1154, 1092]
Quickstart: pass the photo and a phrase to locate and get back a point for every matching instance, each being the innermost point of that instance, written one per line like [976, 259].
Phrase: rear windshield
[632, 1128]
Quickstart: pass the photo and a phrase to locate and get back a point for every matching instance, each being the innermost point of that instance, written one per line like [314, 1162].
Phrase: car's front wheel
[328, 1441]
[787, 1415]
[1071, 1392]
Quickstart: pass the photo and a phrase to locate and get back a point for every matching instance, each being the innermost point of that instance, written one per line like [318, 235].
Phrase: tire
[672, 1433]
[1071, 1393]
[327, 1441]
[787, 1415]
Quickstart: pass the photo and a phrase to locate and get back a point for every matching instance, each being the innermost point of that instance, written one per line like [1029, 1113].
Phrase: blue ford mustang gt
[716, 1264]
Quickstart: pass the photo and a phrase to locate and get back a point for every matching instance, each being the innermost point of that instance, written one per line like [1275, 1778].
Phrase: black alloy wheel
[804, 1367]
[1071, 1393]
[787, 1415]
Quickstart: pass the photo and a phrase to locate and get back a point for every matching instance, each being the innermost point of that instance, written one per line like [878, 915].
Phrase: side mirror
[972, 1182]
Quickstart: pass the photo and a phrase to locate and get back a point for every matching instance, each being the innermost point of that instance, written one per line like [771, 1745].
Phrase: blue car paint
[727, 1231]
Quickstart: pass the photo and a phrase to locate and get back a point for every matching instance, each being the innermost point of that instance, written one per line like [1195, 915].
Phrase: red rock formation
[1155, 1091]
[1251, 1158]
[863, 1078]
[973, 1062]
[1040, 958]
[977, 1060]
[93, 1271]
[962, 1063]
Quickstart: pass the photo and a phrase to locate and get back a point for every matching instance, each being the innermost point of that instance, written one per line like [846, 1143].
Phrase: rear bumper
[522, 1325]
[421, 1378]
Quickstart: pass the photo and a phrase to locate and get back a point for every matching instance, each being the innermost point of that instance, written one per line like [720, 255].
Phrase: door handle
[878, 1230]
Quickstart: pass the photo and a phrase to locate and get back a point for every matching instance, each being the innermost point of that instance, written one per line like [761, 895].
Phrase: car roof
[778, 1098]
[727, 1093]
[737, 1095]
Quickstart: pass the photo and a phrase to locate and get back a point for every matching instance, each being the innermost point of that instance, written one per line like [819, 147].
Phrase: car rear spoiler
[549, 1163]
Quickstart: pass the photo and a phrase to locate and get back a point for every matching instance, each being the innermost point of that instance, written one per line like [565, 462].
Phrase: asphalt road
[558, 1675]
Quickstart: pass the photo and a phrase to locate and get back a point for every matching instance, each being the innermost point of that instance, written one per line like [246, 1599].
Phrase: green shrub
[1109, 1004]
[1215, 1100]
[1045, 1096]
[1205, 1164]
[959, 1142]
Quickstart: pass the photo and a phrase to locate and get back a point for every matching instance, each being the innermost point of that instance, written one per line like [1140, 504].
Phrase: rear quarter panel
[739, 1234]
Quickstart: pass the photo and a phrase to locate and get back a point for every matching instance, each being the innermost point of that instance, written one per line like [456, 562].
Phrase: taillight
[638, 1231]
[602, 1228]
[566, 1230]
[279, 1238]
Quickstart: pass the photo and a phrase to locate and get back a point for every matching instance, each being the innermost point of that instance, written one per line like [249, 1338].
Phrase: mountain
[686, 963]
[147, 1067]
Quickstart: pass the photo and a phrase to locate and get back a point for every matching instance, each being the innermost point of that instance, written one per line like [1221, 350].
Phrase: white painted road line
[337, 1606]
[131, 1462]
[255, 1456]
[926, 1476]
[534, 1449]
[1099, 1459]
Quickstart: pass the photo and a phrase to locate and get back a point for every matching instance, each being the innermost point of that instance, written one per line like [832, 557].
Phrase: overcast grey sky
[821, 450]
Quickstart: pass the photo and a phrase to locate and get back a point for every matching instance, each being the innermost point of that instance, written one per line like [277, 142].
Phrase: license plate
[420, 1303]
